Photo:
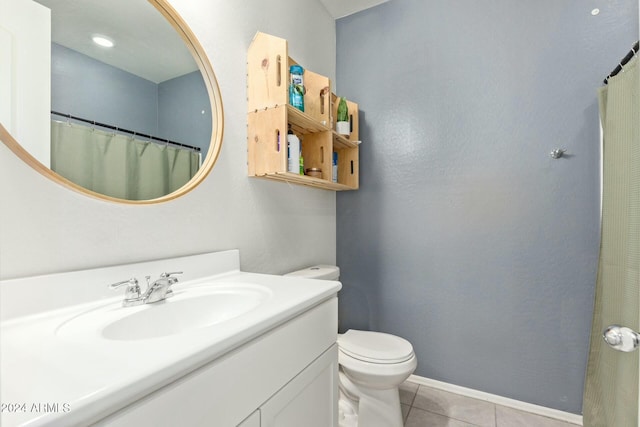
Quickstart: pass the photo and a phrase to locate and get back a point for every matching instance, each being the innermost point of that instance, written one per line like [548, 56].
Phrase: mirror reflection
[130, 114]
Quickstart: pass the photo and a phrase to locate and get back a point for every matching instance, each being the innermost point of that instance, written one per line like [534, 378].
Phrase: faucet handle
[132, 282]
[169, 276]
[133, 289]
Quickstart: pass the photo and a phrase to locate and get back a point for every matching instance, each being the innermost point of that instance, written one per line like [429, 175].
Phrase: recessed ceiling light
[102, 41]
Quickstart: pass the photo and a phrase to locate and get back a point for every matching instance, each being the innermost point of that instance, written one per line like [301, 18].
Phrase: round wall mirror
[134, 113]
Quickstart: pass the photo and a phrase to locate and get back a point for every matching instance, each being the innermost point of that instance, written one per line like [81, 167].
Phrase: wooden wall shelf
[269, 117]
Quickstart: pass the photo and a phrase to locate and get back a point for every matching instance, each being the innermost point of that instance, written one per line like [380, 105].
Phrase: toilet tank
[325, 272]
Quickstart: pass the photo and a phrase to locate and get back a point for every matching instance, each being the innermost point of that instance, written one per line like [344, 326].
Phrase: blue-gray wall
[87, 88]
[466, 237]
[84, 87]
[184, 111]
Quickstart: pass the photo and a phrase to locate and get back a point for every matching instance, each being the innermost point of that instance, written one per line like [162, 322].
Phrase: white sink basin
[190, 308]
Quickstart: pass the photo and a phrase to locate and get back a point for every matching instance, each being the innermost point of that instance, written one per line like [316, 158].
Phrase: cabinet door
[310, 399]
[252, 420]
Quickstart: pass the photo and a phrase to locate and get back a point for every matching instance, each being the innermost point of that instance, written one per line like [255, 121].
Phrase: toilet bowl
[371, 367]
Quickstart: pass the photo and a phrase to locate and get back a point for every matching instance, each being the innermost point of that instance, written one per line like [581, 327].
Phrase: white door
[25, 75]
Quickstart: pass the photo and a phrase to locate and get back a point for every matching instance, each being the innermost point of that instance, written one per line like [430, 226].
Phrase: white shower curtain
[117, 165]
[611, 387]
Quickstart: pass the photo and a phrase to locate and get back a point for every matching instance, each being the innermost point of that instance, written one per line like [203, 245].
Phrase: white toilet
[372, 366]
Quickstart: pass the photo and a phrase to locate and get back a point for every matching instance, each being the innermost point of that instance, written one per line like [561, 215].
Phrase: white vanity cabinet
[272, 363]
[284, 378]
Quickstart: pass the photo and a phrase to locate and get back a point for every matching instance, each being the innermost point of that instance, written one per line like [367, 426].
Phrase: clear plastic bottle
[293, 152]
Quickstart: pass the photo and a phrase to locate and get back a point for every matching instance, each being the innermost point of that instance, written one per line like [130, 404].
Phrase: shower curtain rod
[155, 138]
[623, 62]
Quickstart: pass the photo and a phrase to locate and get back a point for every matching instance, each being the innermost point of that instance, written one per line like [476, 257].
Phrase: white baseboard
[499, 400]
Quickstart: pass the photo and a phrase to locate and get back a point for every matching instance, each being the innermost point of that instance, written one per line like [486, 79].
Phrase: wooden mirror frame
[215, 100]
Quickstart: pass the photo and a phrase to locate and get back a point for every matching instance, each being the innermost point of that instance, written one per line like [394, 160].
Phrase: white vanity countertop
[51, 379]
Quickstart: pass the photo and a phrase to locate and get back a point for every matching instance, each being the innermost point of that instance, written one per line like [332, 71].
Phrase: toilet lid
[375, 347]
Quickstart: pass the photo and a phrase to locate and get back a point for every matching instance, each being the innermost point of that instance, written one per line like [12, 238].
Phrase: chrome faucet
[161, 288]
[156, 291]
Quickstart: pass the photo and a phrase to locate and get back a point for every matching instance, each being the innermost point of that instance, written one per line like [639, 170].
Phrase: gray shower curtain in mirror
[119, 166]
[611, 386]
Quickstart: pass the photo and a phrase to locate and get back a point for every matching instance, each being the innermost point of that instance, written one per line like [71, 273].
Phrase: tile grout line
[414, 397]
[404, 421]
[495, 415]
[444, 416]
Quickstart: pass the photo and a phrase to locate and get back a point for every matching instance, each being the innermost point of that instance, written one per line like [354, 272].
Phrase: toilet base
[347, 411]
[380, 408]
[373, 408]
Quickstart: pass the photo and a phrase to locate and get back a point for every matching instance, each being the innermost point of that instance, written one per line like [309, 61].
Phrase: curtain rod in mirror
[131, 132]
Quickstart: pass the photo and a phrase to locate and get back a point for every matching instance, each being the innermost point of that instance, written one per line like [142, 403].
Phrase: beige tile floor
[423, 406]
